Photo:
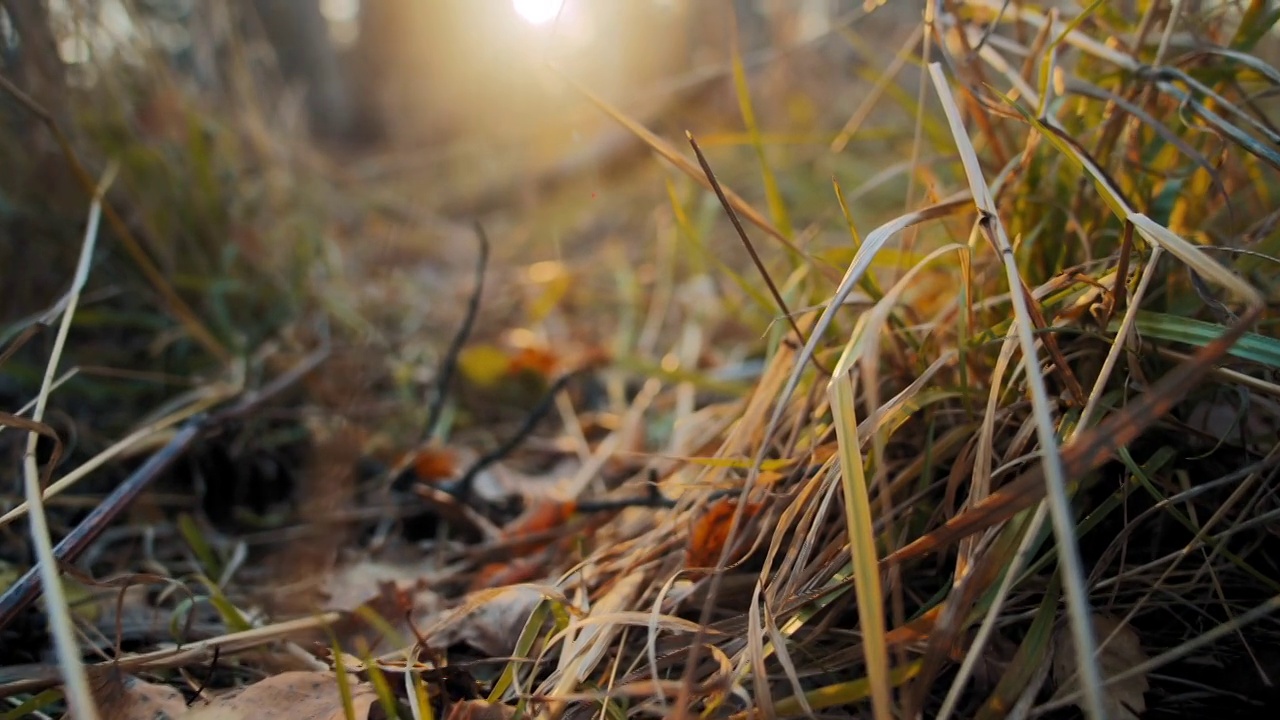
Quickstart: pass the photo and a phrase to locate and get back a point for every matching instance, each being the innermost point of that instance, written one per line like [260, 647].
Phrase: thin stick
[23, 592]
[461, 488]
[36, 678]
[450, 361]
[669, 153]
[27, 588]
[751, 250]
[23, 338]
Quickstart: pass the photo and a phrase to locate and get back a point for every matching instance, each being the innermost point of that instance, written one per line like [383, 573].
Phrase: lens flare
[537, 12]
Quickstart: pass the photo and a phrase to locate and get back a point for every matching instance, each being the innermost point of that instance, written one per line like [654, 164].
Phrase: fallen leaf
[538, 361]
[480, 710]
[433, 464]
[711, 530]
[125, 697]
[1253, 424]
[491, 624]
[509, 572]
[484, 365]
[297, 695]
[377, 596]
[549, 283]
[1123, 700]
[356, 583]
[538, 518]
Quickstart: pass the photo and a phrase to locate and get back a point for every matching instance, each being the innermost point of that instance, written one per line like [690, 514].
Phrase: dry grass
[903, 472]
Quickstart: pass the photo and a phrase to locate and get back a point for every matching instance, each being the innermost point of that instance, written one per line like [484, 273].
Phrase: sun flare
[537, 12]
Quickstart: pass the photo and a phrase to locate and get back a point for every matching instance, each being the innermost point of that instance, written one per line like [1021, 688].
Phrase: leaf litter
[1119, 649]
[869, 513]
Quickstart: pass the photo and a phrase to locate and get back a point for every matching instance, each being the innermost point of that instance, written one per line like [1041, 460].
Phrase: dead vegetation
[734, 433]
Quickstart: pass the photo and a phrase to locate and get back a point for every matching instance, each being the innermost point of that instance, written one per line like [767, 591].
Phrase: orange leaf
[709, 533]
[538, 361]
[433, 464]
[539, 517]
[512, 572]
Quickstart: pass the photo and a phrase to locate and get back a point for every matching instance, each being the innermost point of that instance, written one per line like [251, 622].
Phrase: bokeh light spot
[537, 12]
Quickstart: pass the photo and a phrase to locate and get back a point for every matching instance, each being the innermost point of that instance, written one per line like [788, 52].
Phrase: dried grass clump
[1011, 451]
[1073, 349]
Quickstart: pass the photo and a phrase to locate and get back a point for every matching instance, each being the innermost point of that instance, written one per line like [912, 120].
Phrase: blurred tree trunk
[37, 69]
[299, 34]
[37, 189]
[412, 66]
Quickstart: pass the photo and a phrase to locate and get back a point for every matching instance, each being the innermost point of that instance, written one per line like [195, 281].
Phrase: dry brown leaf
[480, 710]
[351, 585]
[297, 695]
[124, 697]
[1123, 700]
[1253, 425]
[394, 592]
[491, 625]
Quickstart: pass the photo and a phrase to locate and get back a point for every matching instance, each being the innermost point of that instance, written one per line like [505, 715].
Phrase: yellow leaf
[551, 281]
[483, 365]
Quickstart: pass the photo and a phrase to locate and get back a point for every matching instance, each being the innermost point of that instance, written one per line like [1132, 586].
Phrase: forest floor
[892, 389]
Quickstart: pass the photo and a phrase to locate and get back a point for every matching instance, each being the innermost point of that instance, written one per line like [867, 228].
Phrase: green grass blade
[862, 543]
[1251, 346]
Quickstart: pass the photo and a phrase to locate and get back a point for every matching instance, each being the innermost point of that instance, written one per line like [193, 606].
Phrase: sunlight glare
[537, 12]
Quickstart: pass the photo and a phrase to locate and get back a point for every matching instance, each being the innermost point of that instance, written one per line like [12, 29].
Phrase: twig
[23, 592]
[751, 250]
[669, 153]
[461, 488]
[1121, 286]
[33, 678]
[450, 361]
[251, 401]
[208, 675]
[23, 338]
